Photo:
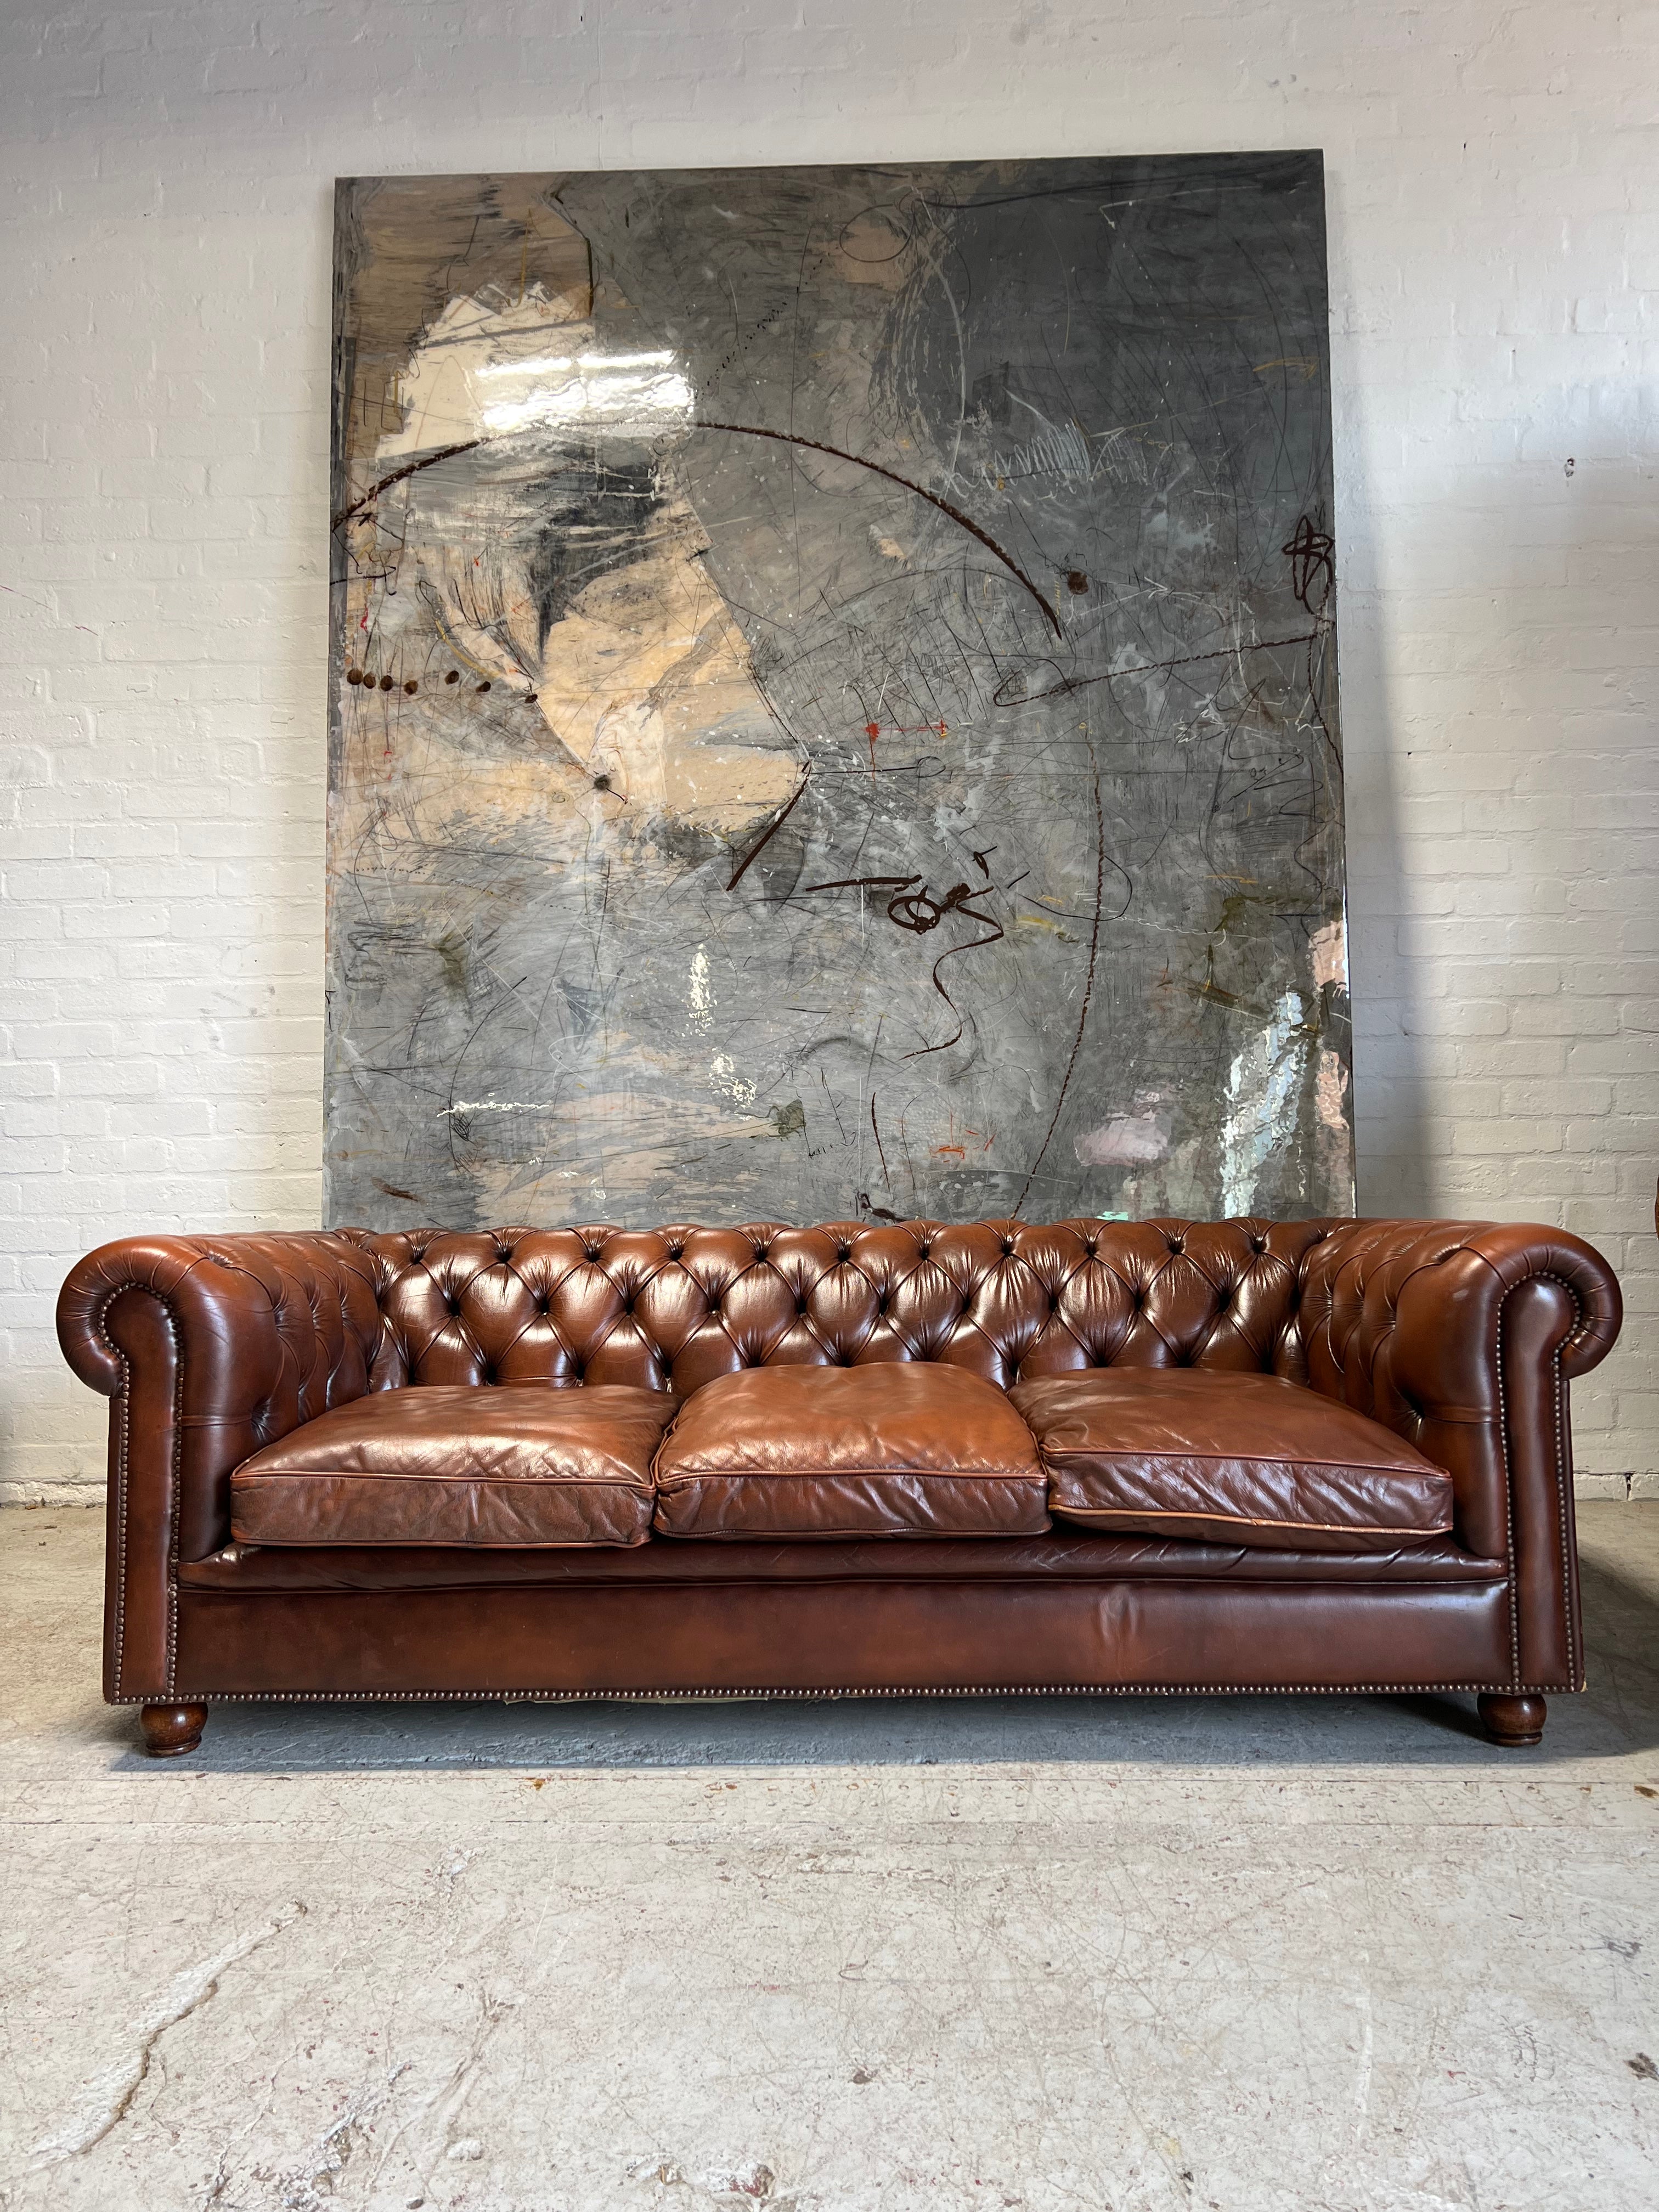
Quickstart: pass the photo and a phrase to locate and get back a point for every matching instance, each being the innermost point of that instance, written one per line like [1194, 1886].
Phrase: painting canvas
[833, 696]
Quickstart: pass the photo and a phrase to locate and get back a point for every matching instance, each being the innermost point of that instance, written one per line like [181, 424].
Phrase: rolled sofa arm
[209, 1347]
[1461, 1336]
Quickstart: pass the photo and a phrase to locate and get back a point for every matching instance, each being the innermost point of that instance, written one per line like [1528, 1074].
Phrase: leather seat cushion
[521, 1465]
[1229, 1459]
[897, 1449]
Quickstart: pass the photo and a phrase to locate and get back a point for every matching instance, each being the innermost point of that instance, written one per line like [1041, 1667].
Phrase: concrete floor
[1096, 1956]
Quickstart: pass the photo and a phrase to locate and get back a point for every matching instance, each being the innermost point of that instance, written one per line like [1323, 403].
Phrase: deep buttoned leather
[900, 1449]
[1458, 1336]
[1242, 1459]
[520, 1465]
[676, 1307]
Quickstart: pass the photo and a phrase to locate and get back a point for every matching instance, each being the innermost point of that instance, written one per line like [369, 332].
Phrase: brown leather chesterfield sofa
[842, 1460]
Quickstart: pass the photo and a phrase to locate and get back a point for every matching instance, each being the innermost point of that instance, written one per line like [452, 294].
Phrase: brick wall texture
[167, 173]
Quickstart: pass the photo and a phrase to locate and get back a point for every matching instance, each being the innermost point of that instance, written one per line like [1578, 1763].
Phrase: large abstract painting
[834, 696]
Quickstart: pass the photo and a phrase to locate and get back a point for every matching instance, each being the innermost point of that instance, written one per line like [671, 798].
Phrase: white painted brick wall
[166, 174]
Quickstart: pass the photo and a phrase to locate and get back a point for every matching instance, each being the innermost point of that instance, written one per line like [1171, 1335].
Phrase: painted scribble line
[913, 907]
[770, 832]
[1309, 551]
[907, 484]
[745, 430]
[1088, 994]
[1003, 696]
[959, 905]
[410, 469]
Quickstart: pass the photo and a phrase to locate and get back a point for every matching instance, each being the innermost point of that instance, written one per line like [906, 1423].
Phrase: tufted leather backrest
[671, 1307]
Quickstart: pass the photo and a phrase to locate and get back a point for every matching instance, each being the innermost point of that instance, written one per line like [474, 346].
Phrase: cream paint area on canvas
[629, 1134]
[645, 680]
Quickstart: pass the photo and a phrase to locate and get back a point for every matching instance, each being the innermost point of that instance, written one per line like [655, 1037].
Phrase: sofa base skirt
[827, 1640]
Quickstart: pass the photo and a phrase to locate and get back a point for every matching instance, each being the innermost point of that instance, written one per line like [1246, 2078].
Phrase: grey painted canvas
[834, 696]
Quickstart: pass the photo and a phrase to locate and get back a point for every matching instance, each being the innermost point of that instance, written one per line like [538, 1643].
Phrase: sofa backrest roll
[672, 1307]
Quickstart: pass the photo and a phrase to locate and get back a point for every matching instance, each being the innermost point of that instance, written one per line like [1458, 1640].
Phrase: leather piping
[1245, 1520]
[122, 1468]
[178, 1497]
[1575, 1645]
[122, 1448]
[1187, 1451]
[1539, 1275]
[816, 1536]
[416, 1543]
[735, 1473]
[518, 1482]
[1509, 1497]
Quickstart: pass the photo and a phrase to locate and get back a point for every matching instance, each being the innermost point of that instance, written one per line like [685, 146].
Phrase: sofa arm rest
[1461, 1336]
[209, 1347]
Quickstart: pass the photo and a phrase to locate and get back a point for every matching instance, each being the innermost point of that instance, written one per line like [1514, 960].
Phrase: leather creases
[522, 1466]
[917, 1449]
[1457, 1337]
[1242, 1459]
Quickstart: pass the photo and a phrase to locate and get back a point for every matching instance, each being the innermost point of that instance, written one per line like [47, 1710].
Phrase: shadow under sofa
[1161, 1456]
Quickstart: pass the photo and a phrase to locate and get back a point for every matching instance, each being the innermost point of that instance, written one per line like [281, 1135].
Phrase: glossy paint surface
[834, 696]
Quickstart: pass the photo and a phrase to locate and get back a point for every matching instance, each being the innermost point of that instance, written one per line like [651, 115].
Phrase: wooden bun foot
[171, 1730]
[1514, 1722]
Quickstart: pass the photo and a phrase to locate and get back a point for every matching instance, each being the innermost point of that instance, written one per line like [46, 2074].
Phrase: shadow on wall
[1492, 708]
[1389, 1101]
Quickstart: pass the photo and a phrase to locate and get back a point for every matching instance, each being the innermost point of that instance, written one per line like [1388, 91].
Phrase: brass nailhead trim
[899, 1689]
[1058, 1690]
